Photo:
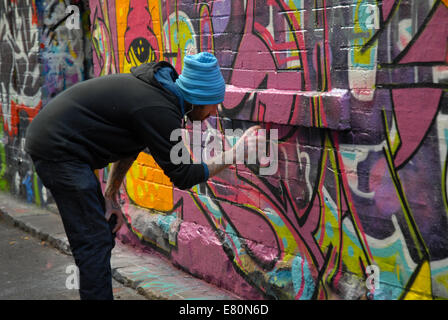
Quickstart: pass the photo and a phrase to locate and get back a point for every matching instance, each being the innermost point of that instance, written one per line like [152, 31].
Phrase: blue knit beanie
[201, 81]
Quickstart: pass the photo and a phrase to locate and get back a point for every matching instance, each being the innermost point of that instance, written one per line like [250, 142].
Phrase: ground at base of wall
[151, 276]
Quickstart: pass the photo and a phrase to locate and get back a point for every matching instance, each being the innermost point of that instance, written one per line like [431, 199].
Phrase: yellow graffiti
[335, 231]
[146, 183]
[148, 186]
[179, 37]
[102, 42]
[121, 16]
[293, 64]
[421, 286]
[361, 26]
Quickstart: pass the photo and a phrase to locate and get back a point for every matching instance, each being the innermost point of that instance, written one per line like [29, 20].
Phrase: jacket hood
[147, 71]
[161, 75]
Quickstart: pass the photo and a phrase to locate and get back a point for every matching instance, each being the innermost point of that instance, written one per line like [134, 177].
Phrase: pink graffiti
[138, 36]
[407, 102]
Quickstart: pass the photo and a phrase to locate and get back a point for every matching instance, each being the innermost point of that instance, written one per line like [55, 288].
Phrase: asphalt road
[30, 269]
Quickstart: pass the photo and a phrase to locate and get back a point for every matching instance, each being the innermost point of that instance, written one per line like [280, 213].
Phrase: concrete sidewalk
[150, 275]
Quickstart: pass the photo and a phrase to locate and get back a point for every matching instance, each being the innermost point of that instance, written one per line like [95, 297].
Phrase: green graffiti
[3, 182]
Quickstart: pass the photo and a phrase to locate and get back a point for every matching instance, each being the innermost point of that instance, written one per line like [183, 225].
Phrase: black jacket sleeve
[153, 126]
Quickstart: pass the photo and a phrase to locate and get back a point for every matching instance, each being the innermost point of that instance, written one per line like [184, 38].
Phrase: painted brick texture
[359, 105]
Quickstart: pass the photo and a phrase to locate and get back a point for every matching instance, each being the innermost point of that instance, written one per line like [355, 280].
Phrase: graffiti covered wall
[358, 92]
[40, 57]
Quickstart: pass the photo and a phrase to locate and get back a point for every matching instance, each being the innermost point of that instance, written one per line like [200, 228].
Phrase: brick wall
[357, 90]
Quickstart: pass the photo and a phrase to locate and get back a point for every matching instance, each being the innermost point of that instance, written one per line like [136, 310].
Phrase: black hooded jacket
[105, 119]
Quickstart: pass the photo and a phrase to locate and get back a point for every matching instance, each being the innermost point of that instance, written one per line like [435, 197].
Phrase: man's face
[203, 112]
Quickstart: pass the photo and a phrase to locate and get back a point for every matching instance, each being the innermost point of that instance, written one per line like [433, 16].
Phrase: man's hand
[113, 208]
[116, 175]
[250, 138]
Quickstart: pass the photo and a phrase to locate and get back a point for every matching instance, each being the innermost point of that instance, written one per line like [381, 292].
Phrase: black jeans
[78, 196]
